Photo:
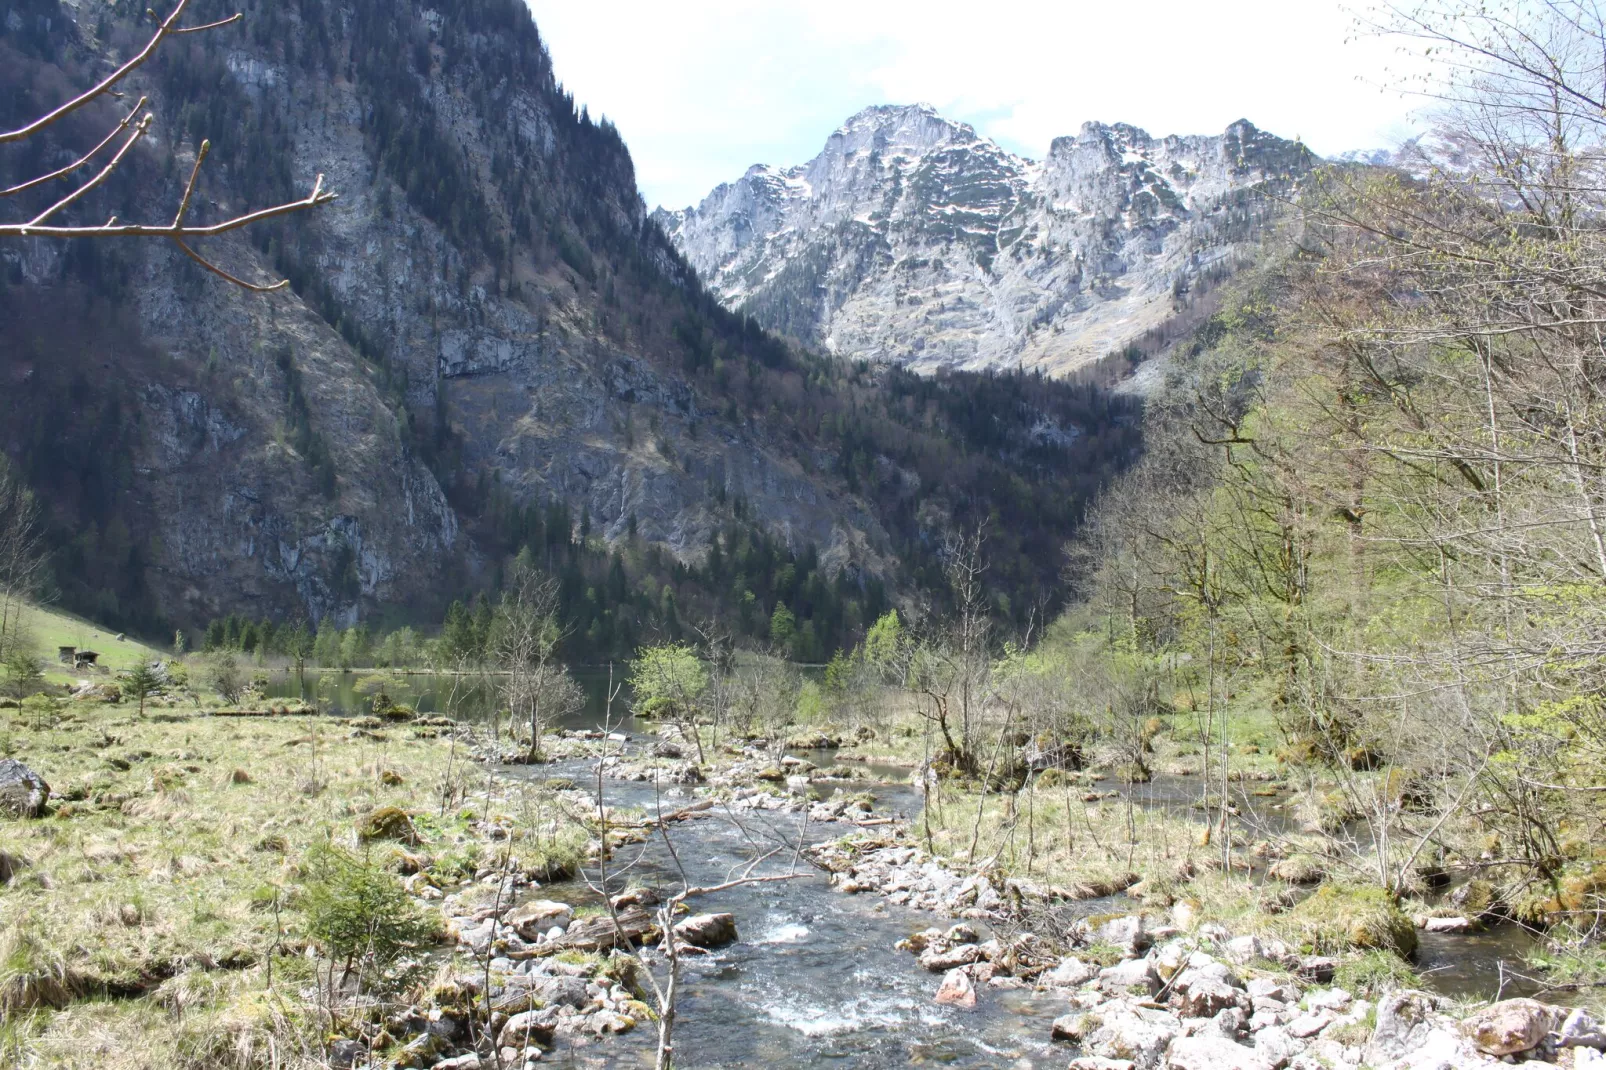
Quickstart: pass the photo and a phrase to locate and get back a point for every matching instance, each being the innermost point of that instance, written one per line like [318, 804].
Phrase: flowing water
[815, 980]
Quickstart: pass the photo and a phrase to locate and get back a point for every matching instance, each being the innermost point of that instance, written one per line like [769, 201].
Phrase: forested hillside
[1372, 504]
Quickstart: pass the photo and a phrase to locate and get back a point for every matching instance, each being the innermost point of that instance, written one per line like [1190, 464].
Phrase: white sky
[701, 89]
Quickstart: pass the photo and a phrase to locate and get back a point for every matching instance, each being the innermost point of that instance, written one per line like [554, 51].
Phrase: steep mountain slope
[488, 346]
[485, 306]
[912, 239]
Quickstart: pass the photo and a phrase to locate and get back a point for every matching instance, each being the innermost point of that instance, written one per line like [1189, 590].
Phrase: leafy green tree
[783, 626]
[326, 648]
[668, 681]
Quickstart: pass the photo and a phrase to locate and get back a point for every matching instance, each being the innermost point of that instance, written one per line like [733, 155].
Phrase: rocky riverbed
[883, 955]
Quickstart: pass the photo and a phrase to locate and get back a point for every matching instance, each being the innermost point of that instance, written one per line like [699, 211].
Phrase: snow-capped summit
[912, 238]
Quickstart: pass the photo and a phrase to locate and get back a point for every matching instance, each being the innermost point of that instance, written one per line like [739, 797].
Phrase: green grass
[177, 864]
[52, 628]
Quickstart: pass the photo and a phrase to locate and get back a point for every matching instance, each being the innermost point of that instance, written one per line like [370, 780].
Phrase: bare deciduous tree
[125, 135]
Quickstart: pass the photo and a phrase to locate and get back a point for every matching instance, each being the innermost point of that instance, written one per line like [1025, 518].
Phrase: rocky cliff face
[912, 239]
[486, 306]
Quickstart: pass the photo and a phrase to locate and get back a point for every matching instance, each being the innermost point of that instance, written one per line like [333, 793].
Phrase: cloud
[700, 89]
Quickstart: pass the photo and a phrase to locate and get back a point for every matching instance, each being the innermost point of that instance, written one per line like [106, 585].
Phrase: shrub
[223, 674]
[356, 910]
[1340, 917]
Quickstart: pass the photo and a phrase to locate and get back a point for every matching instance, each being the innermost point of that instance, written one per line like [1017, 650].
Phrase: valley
[1134, 608]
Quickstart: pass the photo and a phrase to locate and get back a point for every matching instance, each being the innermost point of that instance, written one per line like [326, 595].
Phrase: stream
[815, 980]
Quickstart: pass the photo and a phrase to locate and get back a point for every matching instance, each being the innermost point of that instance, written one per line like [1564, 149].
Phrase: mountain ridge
[910, 238]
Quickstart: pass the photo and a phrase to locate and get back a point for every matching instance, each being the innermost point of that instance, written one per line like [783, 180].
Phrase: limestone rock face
[471, 312]
[912, 239]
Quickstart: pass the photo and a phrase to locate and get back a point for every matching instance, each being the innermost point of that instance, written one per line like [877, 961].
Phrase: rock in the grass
[1245, 949]
[707, 930]
[1510, 1026]
[23, 792]
[529, 1027]
[1265, 987]
[1317, 968]
[531, 920]
[1129, 1035]
[1329, 999]
[1131, 975]
[1308, 1025]
[1072, 972]
[956, 989]
[1580, 1030]
[388, 823]
[1213, 1053]
[344, 1052]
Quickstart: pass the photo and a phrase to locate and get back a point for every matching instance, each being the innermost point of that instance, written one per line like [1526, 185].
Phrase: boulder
[1277, 1047]
[23, 792]
[343, 1052]
[1093, 1062]
[1072, 972]
[598, 932]
[941, 961]
[1510, 1026]
[1074, 1027]
[956, 989]
[471, 1061]
[529, 1027]
[707, 930]
[1213, 1053]
[1126, 931]
[1129, 1035]
[564, 992]
[1207, 997]
[607, 1022]
[1131, 975]
[1328, 999]
[530, 920]
[1580, 1030]
[1404, 1019]
[1448, 925]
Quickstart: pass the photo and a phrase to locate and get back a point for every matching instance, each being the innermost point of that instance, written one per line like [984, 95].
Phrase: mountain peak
[912, 239]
